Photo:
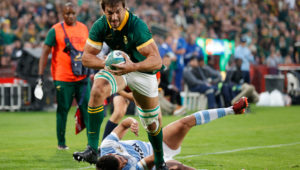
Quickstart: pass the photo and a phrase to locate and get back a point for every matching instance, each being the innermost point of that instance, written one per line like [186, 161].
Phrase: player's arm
[146, 163]
[90, 59]
[123, 127]
[151, 63]
[153, 60]
[93, 46]
[127, 95]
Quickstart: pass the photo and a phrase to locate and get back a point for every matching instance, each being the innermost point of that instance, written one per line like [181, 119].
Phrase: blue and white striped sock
[206, 116]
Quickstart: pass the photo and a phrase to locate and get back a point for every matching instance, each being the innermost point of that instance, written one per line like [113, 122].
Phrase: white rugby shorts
[145, 84]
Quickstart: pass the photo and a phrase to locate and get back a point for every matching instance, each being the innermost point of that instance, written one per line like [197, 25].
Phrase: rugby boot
[240, 106]
[89, 155]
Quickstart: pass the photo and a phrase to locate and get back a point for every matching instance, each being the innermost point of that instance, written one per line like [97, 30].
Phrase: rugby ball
[115, 57]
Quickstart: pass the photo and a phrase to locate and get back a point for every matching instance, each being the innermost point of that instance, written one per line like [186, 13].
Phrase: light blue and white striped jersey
[132, 150]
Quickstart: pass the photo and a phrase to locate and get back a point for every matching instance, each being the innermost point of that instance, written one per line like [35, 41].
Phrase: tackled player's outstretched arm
[90, 59]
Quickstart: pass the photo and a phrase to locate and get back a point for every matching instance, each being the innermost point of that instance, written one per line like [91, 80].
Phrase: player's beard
[115, 24]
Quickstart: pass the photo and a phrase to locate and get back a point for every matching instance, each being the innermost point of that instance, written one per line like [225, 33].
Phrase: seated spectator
[213, 75]
[238, 87]
[275, 58]
[197, 85]
[210, 76]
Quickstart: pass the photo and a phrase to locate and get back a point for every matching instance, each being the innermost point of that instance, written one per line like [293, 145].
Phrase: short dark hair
[111, 3]
[107, 162]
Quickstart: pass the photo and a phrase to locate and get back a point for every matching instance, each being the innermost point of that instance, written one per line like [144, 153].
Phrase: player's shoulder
[100, 24]
[136, 21]
[110, 139]
[101, 21]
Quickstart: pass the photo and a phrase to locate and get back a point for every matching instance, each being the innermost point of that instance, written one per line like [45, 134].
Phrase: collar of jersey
[123, 22]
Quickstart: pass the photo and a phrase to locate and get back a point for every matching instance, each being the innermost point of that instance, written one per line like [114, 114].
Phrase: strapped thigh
[103, 74]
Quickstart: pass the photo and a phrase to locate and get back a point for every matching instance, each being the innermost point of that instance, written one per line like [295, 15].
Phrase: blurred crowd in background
[270, 28]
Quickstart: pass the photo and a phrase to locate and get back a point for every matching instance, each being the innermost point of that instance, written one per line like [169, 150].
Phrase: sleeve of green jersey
[50, 39]
[141, 33]
[97, 31]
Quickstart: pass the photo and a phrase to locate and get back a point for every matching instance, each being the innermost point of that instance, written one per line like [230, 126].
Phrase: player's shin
[148, 118]
[110, 126]
[95, 116]
[206, 116]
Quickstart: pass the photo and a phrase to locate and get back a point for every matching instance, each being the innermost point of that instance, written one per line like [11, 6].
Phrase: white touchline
[240, 149]
[88, 167]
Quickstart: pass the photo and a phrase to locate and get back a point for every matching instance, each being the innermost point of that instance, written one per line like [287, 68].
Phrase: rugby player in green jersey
[122, 30]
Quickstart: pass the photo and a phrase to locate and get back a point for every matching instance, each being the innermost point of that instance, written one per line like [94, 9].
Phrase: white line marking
[82, 168]
[241, 149]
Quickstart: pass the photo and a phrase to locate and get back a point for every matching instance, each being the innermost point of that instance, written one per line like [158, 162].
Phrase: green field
[267, 138]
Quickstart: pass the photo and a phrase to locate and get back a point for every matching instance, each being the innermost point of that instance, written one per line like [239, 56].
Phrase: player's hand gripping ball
[115, 57]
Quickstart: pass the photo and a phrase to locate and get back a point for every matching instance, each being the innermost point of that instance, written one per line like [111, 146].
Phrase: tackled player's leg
[175, 132]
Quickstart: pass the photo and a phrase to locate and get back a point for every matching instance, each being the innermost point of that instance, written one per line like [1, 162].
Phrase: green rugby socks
[156, 142]
[95, 116]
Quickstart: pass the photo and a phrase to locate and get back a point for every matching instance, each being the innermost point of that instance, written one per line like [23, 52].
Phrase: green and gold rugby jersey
[130, 36]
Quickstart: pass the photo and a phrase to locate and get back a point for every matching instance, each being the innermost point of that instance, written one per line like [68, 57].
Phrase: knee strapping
[110, 78]
[149, 116]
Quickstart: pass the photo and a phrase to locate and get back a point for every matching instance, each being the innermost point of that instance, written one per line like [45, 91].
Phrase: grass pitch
[267, 138]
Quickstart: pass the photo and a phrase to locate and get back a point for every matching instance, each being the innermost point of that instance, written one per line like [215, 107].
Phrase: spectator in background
[68, 85]
[166, 45]
[168, 90]
[9, 38]
[164, 48]
[180, 19]
[297, 48]
[192, 49]
[31, 36]
[244, 53]
[213, 75]
[238, 86]
[179, 48]
[283, 46]
[2, 46]
[19, 31]
[197, 85]
[275, 58]
[210, 77]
